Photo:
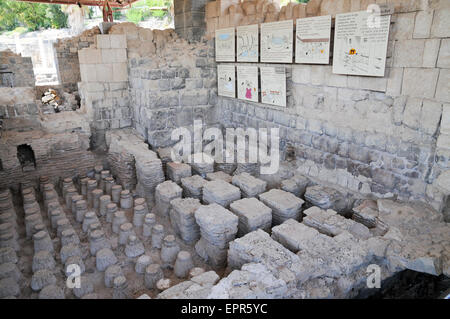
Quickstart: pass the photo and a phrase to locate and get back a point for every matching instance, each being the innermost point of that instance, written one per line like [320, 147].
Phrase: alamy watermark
[374, 276]
[240, 145]
[74, 278]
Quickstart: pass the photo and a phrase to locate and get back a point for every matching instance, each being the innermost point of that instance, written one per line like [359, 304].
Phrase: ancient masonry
[89, 187]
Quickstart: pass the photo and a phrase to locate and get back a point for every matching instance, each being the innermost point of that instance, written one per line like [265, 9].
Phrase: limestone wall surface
[170, 81]
[57, 155]
[66, 49]
[15, 70]
[386, 136]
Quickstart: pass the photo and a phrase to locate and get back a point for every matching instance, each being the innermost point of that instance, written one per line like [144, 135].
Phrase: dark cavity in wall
[1, 165]
[26, 157]
[290, 153]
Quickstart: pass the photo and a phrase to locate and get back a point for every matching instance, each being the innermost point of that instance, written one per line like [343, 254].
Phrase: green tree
[140, 10]
[117, 15]
[33, 16]
[8, 18]
[57, 17]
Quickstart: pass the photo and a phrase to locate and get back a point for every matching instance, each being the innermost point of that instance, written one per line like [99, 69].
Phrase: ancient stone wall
[67, 57]
[60, 153]
[15, 70]
[387, 136]
[18, 108]
[190, 18]
[173, 91]
[171, 82]
[104, 85]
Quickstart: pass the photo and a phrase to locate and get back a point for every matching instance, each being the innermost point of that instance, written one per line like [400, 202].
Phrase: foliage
[117, 15]
[57, 17]
[285, 2]
[140, 10]
[32, 16]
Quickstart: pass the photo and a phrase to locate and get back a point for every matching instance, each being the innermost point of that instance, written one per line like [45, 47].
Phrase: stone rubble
[364, 177]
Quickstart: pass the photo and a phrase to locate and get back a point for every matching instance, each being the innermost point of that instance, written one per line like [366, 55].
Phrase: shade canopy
[100, 3]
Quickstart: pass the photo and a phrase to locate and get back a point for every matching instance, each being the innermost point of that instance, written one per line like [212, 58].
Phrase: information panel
[226, 80]
[248, 43]
[273, 85]
[247, 83]
[277, 41]
[360, 43]
[225, 45]
[313, 40]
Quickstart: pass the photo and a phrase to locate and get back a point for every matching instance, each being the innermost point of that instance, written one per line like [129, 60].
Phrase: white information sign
[277, 41]
[248, 43]
[226, 81]
[313, 40]
[360, 43]
[247, 83]
[273, 85]
[225, 45]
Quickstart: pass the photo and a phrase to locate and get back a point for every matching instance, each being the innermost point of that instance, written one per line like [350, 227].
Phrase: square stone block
[120, 72]
[103, 41]
[294, 235]
[164, 193]
[252, 215]
[176, 171]
[118, 41]
[104, 72]
[284, 205]
[219, 176]
[218, 226]
[220, 192]
[182, 218]
[193, 186]
[250, 186]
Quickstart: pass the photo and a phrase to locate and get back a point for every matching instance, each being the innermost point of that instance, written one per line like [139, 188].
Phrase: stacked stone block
[220, 192]
[284, 205]
[218, 226]
[252, 214]
[182, 218]
[250, 186]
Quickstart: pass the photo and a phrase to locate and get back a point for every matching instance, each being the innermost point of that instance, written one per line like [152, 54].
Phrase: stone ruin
[93, 206]
[179, 245]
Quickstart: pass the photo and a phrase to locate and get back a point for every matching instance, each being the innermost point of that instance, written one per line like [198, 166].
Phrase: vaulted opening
[26, 157]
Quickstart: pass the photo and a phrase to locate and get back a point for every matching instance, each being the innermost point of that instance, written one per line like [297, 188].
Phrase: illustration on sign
[247, 78]
[313, 40]
[225, 45]
[273, 85]
[359, 47]
[226, 80]
[276, 41]
[247, 43]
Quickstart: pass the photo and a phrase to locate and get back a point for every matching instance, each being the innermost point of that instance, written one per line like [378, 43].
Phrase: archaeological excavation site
[260, 149]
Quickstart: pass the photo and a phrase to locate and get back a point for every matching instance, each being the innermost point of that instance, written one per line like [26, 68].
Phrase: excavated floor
[326, 254]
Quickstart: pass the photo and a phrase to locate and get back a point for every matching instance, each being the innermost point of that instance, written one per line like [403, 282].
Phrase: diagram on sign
[225, 45]
[226, 80]
[313, 40]
[247, 43]
[360, 48]
[276, 41]
[247, 79]
[273, 85]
